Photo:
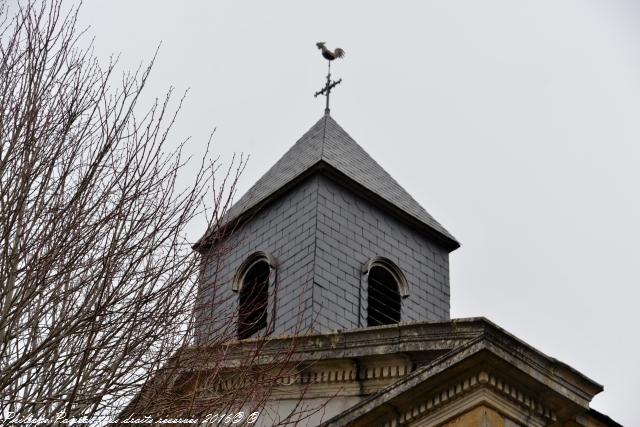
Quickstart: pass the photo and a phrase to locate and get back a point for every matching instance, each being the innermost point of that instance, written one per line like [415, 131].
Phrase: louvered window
[383, 298]
[254, 298]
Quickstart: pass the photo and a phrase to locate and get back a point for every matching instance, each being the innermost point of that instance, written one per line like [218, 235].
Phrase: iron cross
[326, 90]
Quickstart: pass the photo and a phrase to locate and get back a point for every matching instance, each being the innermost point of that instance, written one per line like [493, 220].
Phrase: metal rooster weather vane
[329, 56]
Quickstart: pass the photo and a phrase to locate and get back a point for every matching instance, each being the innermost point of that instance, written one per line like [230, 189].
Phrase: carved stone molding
[442, 398]
[326, 378]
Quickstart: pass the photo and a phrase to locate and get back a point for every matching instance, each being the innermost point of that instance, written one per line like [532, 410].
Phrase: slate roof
[327, 142]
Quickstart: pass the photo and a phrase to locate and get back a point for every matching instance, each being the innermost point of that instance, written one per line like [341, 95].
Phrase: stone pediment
[476, 375]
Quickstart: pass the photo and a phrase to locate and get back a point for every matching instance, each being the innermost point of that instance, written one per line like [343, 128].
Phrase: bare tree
[97, 278]
[98, 282]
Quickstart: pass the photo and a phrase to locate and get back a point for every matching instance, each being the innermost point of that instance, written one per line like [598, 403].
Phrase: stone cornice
[436, 337]
[432, 349]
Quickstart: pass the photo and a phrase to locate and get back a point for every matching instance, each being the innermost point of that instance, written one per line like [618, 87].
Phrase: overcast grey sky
[515, 124]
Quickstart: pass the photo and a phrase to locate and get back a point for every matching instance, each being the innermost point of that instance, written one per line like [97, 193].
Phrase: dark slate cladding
[287, 231]
[303, 155]
[321, 236]
[344, 154]
[314, 212]
[326, 142]
[349, 232]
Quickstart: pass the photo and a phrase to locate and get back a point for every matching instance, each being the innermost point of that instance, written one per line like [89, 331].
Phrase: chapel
[327, 259]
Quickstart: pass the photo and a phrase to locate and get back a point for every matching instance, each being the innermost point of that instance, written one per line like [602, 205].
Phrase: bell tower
[325, 240]
[326, 244]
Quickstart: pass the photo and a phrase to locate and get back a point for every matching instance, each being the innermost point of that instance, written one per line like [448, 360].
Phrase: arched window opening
[254, 298]
[383, 299]
[387, 285]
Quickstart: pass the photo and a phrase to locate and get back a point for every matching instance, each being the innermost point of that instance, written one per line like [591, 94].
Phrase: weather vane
[329, 56]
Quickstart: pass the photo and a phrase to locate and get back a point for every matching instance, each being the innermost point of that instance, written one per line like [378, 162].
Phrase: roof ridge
[324, 136]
